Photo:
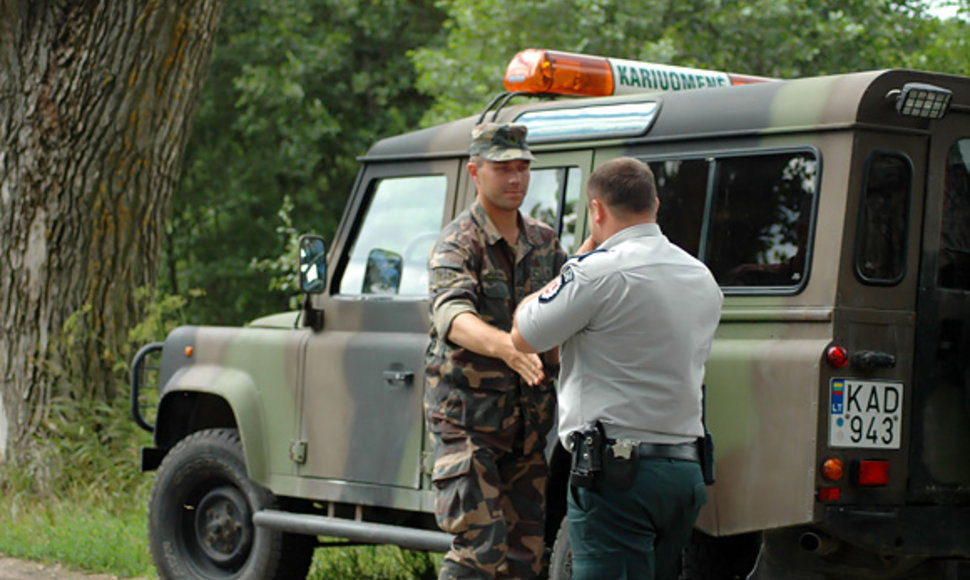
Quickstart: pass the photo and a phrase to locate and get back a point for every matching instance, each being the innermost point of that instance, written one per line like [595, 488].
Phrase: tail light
[829, 493]
[837, 356]
[872, 472]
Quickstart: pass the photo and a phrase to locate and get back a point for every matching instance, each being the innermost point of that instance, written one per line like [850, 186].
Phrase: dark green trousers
[639, 533]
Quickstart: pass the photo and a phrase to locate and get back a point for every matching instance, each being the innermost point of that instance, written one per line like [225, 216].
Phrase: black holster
[598, 462]
[705, 443]
[586, 447]
[705, 451]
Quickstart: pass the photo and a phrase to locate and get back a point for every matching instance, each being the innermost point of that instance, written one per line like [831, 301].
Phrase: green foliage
[483, 35]
[297, 90]
[161, 317]
[84, 446]
[84, 439]
[373, 563]
[778, 38]
[283, 268]
[948, 44]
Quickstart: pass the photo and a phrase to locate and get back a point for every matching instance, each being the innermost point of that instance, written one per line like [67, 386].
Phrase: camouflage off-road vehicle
[834, 212]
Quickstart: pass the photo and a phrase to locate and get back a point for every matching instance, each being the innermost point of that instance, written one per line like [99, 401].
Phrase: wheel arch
[228, 400]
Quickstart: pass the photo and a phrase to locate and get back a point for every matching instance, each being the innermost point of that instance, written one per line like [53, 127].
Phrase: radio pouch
[620, 463]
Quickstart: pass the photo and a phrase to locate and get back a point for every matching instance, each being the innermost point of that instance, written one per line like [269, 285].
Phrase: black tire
[726, 558]
[200, 517]
[561, 561]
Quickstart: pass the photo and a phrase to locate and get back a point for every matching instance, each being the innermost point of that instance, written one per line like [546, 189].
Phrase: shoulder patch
[557, 285]
[444, 277]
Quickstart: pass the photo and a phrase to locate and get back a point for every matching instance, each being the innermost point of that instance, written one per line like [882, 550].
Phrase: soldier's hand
[528, 365]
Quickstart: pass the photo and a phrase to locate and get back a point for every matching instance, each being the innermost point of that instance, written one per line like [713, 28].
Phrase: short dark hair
[624, 184]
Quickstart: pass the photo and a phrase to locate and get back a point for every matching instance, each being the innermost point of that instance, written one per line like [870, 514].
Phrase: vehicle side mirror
[313, 264]
[383, 274]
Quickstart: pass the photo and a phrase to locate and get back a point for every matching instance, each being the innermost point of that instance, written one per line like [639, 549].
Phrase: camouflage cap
[500, 142]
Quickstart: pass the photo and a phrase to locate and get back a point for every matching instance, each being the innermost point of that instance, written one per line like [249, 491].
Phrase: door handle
[398, 376]
[868, 359]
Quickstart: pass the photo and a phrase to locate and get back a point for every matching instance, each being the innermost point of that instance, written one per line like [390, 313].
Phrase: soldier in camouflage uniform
[488, 407]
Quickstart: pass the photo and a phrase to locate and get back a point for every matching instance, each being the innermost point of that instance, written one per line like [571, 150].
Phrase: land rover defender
[834, 212]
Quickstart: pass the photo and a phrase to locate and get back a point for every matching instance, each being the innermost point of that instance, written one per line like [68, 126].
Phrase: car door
[940, 456]
[361, 417]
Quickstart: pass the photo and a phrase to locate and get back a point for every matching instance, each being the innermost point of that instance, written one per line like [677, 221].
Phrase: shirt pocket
[496, 300]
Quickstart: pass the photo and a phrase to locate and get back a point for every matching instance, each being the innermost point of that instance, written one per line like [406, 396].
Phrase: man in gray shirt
[635, 317]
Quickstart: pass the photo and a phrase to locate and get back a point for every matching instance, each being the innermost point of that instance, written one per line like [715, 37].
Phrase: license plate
[865, 414]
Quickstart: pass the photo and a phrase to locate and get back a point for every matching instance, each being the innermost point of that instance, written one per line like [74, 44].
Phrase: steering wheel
[416, 243]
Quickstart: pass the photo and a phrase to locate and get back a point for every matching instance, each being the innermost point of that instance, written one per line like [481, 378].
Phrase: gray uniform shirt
[635, 319]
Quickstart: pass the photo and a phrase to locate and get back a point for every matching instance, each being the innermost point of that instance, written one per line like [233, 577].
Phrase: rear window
[954, 266]
[884, 219]
[757, 237]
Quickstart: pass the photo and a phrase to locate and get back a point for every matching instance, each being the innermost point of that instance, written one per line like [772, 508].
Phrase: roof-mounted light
[921, 100]
[548, 71]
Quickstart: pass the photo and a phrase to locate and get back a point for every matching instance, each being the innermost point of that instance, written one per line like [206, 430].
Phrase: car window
[954, 269]
[760, 219]
[552, 197]
[883, 219]
[682, 189]
[389, 254]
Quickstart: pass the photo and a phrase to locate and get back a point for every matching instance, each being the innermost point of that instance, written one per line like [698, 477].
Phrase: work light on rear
[922, 100]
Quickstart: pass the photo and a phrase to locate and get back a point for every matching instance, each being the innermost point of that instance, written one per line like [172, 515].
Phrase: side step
[366, 532]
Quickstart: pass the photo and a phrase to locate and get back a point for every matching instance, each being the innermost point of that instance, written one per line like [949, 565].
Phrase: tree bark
[96, 101]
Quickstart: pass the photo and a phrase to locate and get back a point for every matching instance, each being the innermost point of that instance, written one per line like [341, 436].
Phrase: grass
[83, 534]
[77, 499]
[76, 532]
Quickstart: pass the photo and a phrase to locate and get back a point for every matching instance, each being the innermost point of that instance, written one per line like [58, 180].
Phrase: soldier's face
[502, 185]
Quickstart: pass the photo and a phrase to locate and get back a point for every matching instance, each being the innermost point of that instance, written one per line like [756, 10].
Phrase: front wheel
[200, 517]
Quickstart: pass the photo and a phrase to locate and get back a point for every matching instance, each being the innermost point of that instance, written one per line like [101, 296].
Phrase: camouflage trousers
[492, 499]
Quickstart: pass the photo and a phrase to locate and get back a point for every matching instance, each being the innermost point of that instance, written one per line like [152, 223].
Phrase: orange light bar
[549, 71]
[563, 73]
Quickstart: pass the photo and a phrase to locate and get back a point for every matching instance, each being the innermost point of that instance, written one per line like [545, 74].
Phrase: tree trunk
[96, 100]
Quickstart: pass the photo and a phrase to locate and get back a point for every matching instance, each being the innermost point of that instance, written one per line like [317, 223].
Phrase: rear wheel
[200, 517]
[725, 558]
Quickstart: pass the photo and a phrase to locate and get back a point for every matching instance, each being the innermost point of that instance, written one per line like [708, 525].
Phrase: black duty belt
[682, 451]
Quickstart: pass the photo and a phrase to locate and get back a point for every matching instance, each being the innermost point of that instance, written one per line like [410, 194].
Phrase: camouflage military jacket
[471, 267]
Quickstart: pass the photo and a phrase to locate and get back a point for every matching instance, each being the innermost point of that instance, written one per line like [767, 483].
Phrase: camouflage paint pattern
[767, 378]
[487, 426]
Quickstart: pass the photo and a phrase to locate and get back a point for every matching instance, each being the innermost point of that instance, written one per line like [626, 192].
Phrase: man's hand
[528, 365]
[471, 332]
[588, 246]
